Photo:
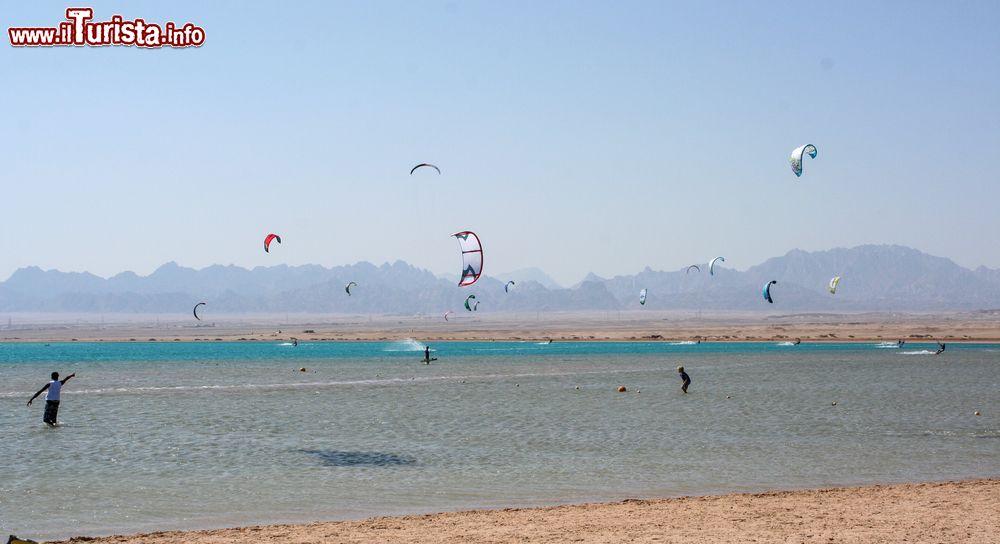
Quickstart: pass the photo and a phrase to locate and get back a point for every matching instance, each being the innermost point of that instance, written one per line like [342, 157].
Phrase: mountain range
[874, 278]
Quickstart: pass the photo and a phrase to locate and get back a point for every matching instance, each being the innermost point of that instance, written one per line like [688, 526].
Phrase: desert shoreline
[979, 327]
[951, 511]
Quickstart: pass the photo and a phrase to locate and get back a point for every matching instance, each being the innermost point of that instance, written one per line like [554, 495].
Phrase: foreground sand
[967, 511]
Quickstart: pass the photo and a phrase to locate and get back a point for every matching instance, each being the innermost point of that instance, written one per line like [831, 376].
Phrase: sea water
[156, 436]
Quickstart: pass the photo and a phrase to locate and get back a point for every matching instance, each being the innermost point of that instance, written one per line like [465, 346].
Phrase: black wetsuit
[687, 381]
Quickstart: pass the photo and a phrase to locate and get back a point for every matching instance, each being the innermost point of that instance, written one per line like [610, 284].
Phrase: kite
[711, 265]
[267, 241]
[767, 290]
[796, 158]
[414, 169]
[195, 310]
[472, 257]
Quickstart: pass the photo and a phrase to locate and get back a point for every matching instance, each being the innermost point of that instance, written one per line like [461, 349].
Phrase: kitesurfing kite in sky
[195, 311]
[467, 299]
[642, 297]
[796, 158]
[833, 285]
[446, 314]
[424, 164]
[711, 265]
[694, 266]
[348, 288]
[767, 290]
[472, 257]
[506, 288]
[268, 239]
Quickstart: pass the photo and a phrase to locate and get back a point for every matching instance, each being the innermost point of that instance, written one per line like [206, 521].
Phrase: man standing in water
[685, 379]
[52, 398]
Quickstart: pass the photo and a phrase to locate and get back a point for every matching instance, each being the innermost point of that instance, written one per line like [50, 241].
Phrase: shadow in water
[336, 458]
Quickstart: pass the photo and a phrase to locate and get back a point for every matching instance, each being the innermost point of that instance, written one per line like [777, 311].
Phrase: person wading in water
[54, 388]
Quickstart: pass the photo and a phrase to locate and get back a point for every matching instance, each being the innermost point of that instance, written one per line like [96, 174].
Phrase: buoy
[578, 388]
[303, 369]
[834, 403]
[977, 412]
[621, 389]
[728, 397]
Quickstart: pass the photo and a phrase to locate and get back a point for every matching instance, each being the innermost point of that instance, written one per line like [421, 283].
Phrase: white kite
[472, 257]
[796, 158]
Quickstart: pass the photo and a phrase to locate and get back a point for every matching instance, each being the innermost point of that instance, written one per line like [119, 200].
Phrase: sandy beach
[981, 326]
[966, 511]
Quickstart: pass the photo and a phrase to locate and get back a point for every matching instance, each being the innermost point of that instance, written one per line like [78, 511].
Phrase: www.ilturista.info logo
[79, 30]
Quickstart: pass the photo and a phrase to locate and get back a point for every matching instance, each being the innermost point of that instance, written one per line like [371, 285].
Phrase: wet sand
[592, 326]
[967, 511]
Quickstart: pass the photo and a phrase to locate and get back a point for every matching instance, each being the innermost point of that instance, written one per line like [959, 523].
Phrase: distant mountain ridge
[875, 278]
[530, 274]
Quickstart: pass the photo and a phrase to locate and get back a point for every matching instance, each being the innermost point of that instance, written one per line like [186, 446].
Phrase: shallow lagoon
[186, 435]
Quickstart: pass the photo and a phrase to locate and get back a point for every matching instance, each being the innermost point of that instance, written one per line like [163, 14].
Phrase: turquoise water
[180, 435]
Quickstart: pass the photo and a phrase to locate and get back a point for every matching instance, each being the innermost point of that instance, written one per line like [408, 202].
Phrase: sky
[575, 136]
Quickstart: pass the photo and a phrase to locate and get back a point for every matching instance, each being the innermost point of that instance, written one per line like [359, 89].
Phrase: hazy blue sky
[573, 136]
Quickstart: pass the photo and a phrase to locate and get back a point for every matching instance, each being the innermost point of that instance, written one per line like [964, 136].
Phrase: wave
[407, 344]
[332, 383]
[920, 352]
[684, 343]
[887, 345]
[785, 344]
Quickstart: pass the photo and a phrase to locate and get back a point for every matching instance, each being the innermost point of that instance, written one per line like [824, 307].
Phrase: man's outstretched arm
[40, 391]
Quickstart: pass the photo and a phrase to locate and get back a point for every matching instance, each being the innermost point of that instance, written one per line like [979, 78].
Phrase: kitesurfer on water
[52, 397]
[940, 349]
[427, 355]
[685, 379]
